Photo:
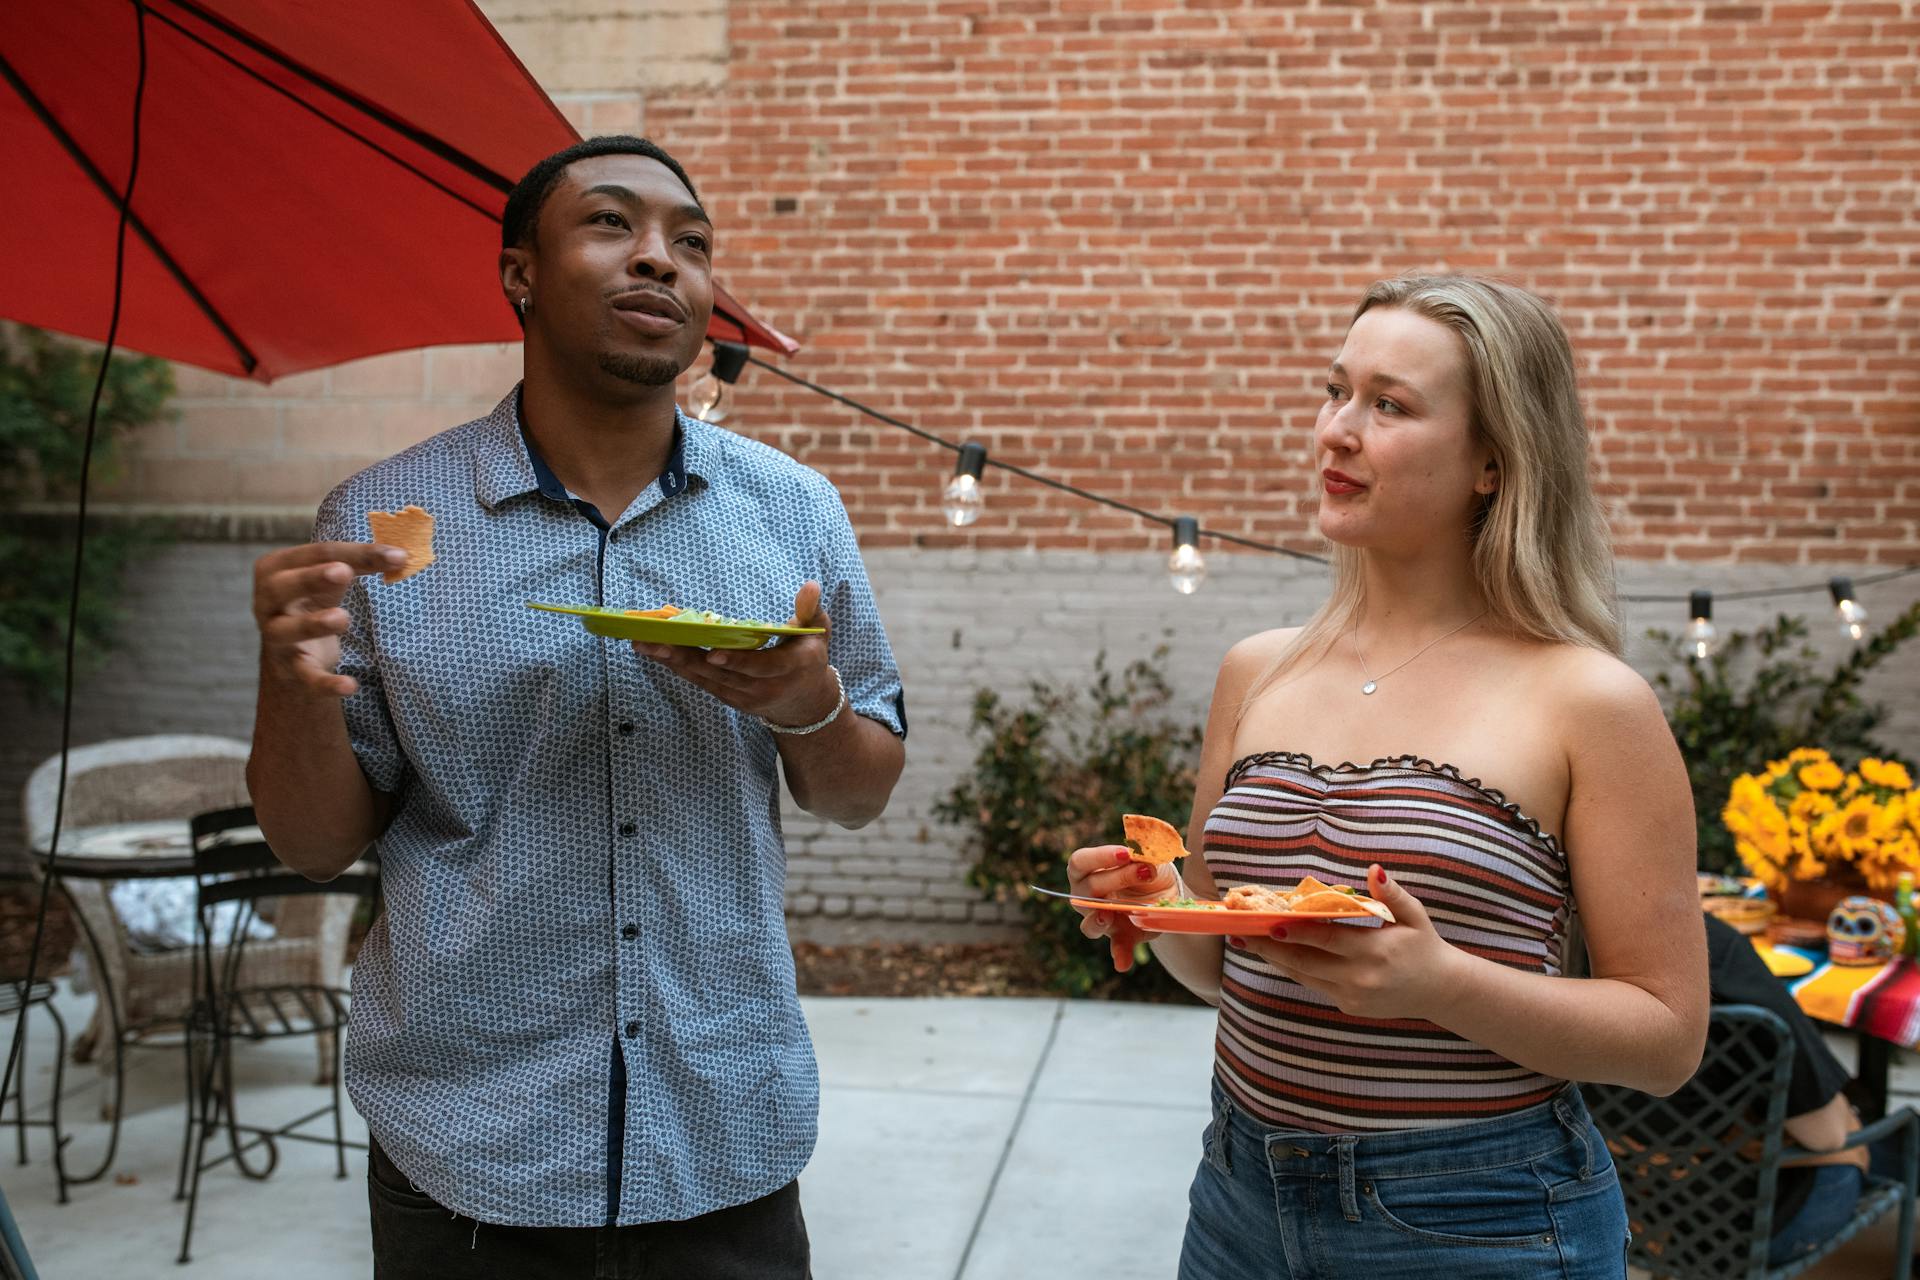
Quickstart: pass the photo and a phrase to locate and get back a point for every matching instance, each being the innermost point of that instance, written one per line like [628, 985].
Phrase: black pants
[414, 1238]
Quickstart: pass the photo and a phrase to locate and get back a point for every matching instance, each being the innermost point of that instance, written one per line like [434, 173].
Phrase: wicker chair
[1699, 1198]
[170, 776]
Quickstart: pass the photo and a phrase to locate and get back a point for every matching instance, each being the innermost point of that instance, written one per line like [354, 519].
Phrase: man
[575, 1036]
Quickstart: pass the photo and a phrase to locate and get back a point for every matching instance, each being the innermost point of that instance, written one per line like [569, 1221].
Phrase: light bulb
[712, 391]
[711, 398]
[962, 499]
[1853, 617]
[1186, 567]
[1701, 639]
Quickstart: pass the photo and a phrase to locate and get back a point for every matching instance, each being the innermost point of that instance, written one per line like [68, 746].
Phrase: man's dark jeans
[415, 1238]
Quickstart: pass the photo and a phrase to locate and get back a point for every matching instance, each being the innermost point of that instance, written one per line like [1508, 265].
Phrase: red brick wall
[1117, 240]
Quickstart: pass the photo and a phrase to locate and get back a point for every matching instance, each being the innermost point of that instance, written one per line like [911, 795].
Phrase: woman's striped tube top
[1493, 882]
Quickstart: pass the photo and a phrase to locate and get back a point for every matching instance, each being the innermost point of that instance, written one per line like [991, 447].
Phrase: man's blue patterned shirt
[586, 849]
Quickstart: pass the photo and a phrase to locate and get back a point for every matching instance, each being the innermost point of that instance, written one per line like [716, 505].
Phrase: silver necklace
[1373, 682]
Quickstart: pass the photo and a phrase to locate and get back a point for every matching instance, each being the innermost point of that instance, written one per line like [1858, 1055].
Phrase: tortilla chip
[410, 529]
[1314, 896]
[1323, 900]
[664, 611]
[1373, 906]
[1151, 840]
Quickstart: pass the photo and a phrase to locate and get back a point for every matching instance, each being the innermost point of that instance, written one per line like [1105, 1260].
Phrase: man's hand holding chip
[296, 603]
[789, 684]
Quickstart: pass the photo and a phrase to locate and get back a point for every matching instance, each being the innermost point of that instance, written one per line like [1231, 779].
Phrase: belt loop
[1221, 1137]
[1343, 1152]
[1568, 1110]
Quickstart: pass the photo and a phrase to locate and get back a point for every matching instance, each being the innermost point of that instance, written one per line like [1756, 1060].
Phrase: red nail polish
[1147, 871]
[1279, 933]
[1238, 944]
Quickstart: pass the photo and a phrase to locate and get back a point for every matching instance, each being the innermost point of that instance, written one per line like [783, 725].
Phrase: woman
[1395, 1101]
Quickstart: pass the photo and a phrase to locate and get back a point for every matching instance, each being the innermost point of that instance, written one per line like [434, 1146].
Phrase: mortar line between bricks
[1013, 1132]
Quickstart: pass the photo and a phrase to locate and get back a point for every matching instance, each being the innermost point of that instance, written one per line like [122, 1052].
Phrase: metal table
[119, 851]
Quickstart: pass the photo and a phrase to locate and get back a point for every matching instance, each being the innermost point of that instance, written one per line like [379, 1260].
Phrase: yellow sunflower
[1808, 867]
[1856, 829]
[1890, 774]
[1822, 775]
[1747, 795]
[1759, 866]
[1811, 805]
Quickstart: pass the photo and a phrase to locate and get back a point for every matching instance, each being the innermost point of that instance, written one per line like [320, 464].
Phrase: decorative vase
[1815, 899]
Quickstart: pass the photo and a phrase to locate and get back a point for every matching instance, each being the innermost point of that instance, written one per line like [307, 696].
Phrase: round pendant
[1368, 687]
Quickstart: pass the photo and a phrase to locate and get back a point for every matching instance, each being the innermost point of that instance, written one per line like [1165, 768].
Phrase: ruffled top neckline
[1419, 764]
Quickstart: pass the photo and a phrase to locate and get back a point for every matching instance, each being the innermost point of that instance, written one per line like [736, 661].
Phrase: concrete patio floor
[959, 1140]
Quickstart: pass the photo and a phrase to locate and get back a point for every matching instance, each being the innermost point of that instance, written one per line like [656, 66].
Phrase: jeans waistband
[1527, 1134]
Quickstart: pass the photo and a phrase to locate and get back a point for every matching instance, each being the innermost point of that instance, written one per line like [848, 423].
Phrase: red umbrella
[317, 182]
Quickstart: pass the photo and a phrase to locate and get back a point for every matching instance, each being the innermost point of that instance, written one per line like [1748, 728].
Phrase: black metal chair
[14, 1004]
[235, 1002]
[1699, 1168]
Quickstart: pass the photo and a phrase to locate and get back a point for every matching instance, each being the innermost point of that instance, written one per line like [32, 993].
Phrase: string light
[961, 500]
[712, 391]
[1186, 567]
[1702, 640]
[1853, 618]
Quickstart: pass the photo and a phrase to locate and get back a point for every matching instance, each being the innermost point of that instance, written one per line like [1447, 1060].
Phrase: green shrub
[1760, 696]
[46, 386]
[1056, 775]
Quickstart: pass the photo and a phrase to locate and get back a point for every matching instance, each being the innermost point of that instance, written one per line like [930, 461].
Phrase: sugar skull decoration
[1864, 930]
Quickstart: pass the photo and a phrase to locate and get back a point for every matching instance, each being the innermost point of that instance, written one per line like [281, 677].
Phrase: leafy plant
[46, 386]
[1757, 699]
[1056, 775]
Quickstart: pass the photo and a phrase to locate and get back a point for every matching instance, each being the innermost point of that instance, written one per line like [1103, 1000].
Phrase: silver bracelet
[839, 705]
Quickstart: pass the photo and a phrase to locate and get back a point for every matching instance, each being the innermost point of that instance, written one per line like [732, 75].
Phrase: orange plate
[1225, 920]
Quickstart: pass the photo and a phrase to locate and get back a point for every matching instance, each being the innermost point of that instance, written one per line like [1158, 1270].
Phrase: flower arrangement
[1805, 817]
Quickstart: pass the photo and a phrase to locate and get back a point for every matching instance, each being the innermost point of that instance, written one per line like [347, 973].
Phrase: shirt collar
[507, 465]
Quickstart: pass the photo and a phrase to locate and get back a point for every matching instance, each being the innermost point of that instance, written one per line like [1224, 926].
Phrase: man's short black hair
[530, 193]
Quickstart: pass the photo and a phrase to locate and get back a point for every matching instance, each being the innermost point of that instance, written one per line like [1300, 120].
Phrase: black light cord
[1754, 594]
[1762, 593]
[1023, 472]
[79, 558]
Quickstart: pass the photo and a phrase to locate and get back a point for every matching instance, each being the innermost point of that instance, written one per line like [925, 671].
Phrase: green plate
[732, 633]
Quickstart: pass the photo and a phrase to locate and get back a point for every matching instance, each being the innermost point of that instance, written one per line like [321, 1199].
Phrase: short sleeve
[858, 645]
[369, 724]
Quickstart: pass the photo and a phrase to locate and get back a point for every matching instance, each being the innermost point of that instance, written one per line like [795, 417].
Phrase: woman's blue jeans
[1529, 1196]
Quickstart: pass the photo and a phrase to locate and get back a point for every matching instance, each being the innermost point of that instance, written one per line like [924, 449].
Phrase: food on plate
[673, 613]
[1257, 897]
[1310, 895]
[411, 529]
[1151, 840]
[1750, 916]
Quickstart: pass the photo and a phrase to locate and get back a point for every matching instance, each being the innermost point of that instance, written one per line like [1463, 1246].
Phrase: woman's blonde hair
[1541, 555]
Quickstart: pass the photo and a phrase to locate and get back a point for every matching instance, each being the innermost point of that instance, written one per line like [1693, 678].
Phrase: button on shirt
[586, 849]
